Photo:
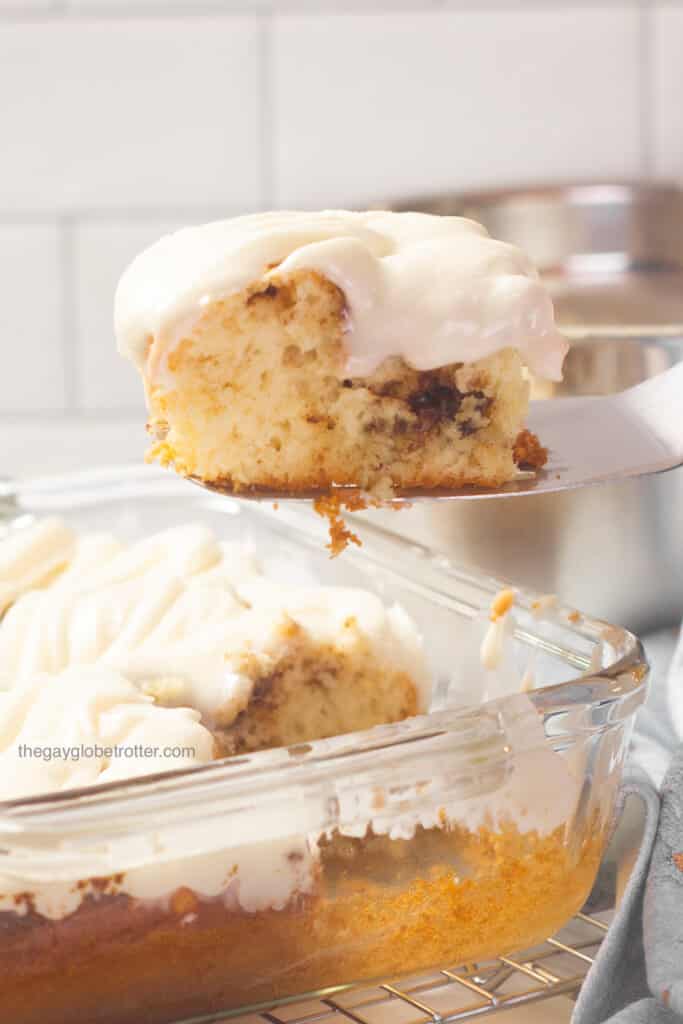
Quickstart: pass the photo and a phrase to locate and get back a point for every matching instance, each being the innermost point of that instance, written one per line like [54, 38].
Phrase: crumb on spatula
[528, 452]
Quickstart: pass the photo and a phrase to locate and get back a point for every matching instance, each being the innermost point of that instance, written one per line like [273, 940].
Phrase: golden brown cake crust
[381, 908]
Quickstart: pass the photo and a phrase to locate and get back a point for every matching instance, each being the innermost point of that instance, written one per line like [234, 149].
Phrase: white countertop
[35, 447]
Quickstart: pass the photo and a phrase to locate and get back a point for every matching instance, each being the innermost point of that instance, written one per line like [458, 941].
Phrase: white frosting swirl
[180, 615]
[31, 556]
[435, 290]
[90, 725]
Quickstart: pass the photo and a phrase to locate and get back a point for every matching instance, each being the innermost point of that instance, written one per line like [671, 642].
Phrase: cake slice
[299, 352]
[331, 662]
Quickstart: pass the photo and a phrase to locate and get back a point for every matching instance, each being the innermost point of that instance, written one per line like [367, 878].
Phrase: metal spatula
[590, 440]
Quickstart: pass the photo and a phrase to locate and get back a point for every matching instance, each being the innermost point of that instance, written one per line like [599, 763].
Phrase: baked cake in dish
[296, 352]
[276, 873]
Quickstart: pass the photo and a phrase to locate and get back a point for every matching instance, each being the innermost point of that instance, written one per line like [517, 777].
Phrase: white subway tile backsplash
[130, 113]
[370, 107]
[667, 90]
[32, 445]
[31, 319]
[106, 381]
[132, 117]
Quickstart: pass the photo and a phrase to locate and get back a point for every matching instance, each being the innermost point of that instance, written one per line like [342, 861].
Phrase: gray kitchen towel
[663, 911]
[659, 728]
[637, 977]
[616, 988]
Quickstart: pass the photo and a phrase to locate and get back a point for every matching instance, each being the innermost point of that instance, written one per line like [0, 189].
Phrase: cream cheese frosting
[48, 724]
[31, 556]
[179, 615]
[536, 790]
[116, 659]
[434, 290]
[114, 625]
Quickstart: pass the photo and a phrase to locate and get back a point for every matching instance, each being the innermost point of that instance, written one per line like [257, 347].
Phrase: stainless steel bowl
[613, 257]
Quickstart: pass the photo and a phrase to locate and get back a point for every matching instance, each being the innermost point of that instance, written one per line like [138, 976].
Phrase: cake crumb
[183, 902]
[491, 651]
[330, 507]
[501, 604]
[528, 452]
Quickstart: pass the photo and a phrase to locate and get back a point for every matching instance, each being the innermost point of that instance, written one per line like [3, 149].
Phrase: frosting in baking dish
[265, 858]
[94, 620]
[179, 610]
[73, 716]
[434, 290]
[28, 558]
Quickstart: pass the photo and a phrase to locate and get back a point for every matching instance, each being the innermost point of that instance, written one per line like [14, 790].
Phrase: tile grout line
[646, 92]
[64, 10]
[267, 112]
[126, 216]
[60, 10]
[67, 253]
[120, 415]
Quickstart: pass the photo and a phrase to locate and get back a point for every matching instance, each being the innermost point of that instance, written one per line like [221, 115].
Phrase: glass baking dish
[469, 832]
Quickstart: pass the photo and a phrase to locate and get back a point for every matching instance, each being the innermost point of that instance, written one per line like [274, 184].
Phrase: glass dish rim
[615, 690]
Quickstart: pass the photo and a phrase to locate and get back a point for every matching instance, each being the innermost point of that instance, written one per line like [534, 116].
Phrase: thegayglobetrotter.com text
[88, 751]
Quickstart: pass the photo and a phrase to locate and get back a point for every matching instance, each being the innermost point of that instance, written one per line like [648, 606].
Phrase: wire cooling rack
[556, 967]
